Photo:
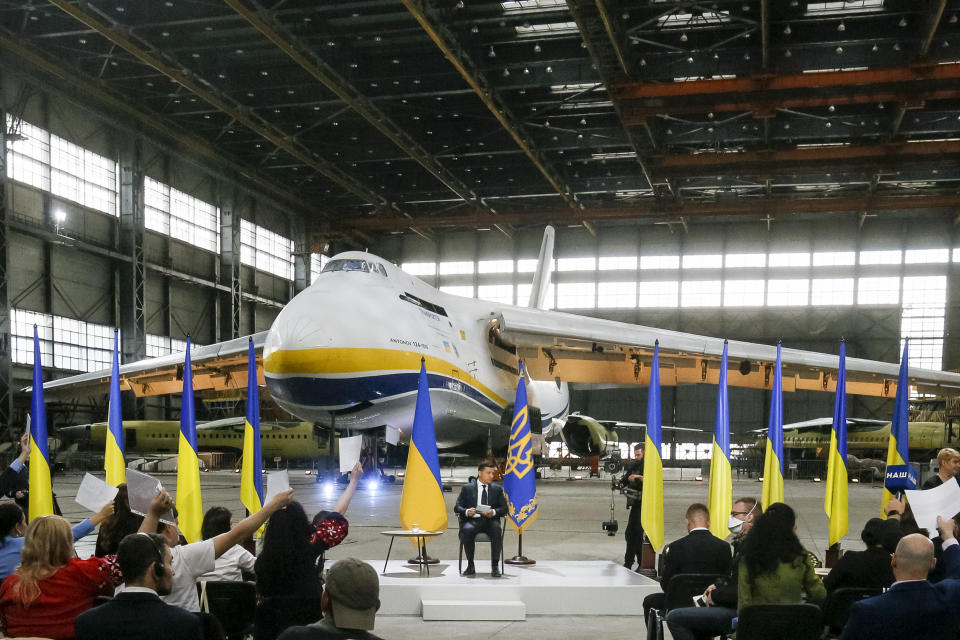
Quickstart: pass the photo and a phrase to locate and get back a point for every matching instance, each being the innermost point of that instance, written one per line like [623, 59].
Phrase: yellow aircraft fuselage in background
[163, 436]
[924, 436]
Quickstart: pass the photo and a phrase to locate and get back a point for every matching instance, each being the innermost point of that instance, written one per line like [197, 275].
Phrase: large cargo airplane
[346, 352]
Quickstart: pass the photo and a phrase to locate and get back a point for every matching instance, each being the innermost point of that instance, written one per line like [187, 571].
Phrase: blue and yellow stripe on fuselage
[330, 379]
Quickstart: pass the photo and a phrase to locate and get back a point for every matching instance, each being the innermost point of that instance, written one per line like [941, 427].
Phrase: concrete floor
[568, 528]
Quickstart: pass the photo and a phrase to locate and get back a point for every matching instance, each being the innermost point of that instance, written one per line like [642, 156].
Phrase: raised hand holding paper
[927, 505]
[277, 482]
[94, 493]
[141, 488]
[349, 452]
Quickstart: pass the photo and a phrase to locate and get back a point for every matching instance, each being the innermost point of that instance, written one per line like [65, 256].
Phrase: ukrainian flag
[113, 462]
[651, 505]
[421, 502]
[251, 471]
[835, 503]
[519, 479]
[773, 463]
[41, 488]
[721, 476]
[898, 450]
[189, 504]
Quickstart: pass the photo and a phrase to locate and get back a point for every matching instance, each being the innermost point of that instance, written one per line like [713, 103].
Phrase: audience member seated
[52, 587]
[190, 561]
[948, 465]
[774, 566]
[720, 598]
[870, 568]
[118, 526]
[138, 612]
[13, 524]
[291, 561]
[913, 607]
[350, 601]
[236, 560]
[698, 552]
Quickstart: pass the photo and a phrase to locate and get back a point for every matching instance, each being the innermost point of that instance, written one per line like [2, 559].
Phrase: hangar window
[53, 164]
[924, 306]
[743, 293]
[831, 291]
[577, 264]
[712, 261]
[317, 262]
[659, 262]
[420, 268]
[265, 250]
[465, 291]
[700, 293]
[618, 262]
[881, 257]
[788, 293]
[576, 295]
[65, 343]
[495, 266]
[659, 294]
[176, 214]
[926, 256]
[789, 260]
[878, 290]
[523, 295]
[496, 293]
[617, 294]
[456, 268]
[745, 260]
[527, 266]
[834, 258]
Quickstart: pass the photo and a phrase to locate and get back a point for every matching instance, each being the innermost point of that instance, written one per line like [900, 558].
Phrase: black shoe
[628, 565]
[469, 571]
[494, 572]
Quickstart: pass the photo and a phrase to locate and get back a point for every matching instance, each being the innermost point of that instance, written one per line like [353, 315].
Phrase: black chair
[276, 613]
[482, 537]
[781, 621]
[679, 593]
[836, 609]
[233, 604]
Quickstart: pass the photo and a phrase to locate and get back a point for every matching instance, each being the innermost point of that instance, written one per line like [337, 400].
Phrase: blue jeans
[696, 623]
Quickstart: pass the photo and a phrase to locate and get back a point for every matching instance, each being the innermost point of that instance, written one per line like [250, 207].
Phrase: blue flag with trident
[519, 481]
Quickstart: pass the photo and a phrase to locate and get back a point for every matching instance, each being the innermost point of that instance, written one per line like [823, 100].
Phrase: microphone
[900, 478]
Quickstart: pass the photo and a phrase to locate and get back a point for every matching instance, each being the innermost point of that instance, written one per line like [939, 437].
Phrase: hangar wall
[70, 260]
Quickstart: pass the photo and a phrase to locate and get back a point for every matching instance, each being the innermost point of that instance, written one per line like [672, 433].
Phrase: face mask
[734, 524]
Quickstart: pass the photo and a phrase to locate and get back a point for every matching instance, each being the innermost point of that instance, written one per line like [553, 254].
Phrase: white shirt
[480, 487]
[230, 565]
[190, 561]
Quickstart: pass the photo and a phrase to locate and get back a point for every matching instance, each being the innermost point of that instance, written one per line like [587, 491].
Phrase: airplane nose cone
[295, 331]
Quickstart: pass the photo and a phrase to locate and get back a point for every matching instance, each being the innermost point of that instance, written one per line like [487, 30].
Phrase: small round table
[421, 537]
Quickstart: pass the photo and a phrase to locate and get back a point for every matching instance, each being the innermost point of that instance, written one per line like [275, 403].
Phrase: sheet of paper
[349, 452]
[94, 493]
[927, 505]
[141, 488]
[277, 481]
[481, 509]
[392, 435]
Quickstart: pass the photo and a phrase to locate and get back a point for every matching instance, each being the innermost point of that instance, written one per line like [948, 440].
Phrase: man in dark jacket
[913, 607]
[137, 611]
[719, 601]
[480, 506]
[632, 481]
[698, 552]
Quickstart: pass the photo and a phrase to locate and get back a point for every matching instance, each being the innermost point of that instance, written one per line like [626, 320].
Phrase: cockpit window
[354, 264]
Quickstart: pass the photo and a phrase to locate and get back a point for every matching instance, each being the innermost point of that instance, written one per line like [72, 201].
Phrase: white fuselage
[347, 351]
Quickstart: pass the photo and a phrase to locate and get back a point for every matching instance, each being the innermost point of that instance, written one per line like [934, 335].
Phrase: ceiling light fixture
[787, 30]
[491, 53]
[536, 48]
[841, 26]
[683, 37]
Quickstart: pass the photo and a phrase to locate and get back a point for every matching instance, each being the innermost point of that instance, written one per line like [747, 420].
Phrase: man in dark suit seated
[137, 611]
[913, 607]
[698, 552]
[488, 496]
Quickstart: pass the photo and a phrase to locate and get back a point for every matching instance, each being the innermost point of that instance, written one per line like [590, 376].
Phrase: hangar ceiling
[398, 116]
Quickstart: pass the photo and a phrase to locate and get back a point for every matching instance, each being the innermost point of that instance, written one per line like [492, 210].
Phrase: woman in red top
[52, 587]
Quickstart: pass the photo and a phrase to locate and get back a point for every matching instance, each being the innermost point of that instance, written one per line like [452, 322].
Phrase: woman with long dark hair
[115, 528]
[774, 566]
[289, 565]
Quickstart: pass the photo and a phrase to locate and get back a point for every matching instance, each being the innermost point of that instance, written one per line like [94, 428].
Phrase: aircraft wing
[825, 424]
[576, 348]
[217, 367]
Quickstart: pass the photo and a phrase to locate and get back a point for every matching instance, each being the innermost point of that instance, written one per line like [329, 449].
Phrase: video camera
[610, 526]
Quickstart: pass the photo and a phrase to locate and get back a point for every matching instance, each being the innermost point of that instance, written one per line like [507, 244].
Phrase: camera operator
[631, 484]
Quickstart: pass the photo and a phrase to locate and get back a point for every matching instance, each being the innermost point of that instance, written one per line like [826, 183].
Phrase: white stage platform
[546, 588]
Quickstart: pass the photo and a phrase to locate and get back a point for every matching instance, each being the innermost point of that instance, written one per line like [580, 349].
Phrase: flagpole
[520, 558]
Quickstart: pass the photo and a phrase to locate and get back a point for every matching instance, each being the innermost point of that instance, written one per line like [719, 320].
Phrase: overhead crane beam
[932, 20]
[224, 103]
[461, 61]
[327, 75]
[792, 160]
[760, 207]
